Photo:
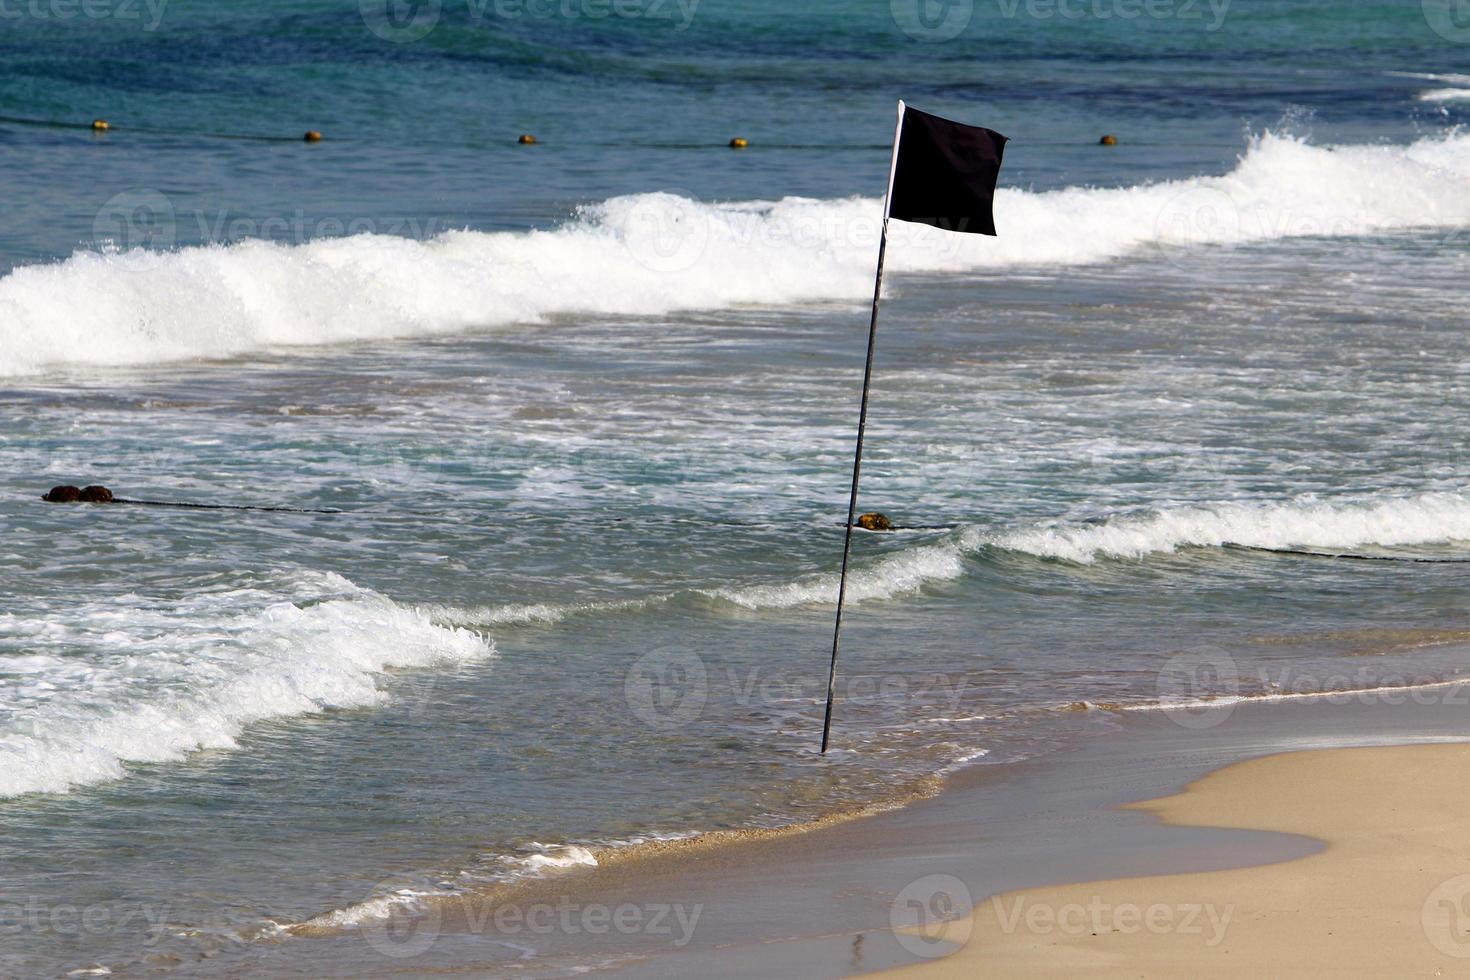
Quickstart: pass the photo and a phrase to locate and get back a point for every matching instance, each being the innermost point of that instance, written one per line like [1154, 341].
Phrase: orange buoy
[526, 139]
[739, 143]
[1108, 140]
[101, 125]
[312, 136]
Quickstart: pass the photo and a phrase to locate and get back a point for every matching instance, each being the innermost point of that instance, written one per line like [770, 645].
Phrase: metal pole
[857, 458]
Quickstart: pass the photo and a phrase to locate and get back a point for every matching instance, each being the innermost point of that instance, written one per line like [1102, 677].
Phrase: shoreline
[612, 858]
[1036, 823]
[459, 909]
[1385, 896]
[817, 898]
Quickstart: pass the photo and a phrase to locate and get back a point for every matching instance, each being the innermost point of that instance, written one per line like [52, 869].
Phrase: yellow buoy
[1108, 140]
[101, 125]
[312, 136]
[526, 139]
[739, 143]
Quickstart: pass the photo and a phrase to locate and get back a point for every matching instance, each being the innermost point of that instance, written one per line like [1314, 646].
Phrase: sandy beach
[1387, 897]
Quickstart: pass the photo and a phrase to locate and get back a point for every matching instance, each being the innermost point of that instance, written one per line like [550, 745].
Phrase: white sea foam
[557, 858]
[1305, 523]
[1455, 90]
[651, 254]
[902, 572]
[1445, 95]
[527, 614]
[130, 681]
[1302, 523]
[541, 861]
[1387, 693]
[404, 901]
[1433, 76]
[1387, 521]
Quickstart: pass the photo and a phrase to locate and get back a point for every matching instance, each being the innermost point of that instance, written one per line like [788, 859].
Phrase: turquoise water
[584, 408]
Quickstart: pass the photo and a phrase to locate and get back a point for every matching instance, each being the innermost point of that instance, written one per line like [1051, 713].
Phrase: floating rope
[872, 521]
[101, 126]
[174, 503]
[1348, 556]
[98, 494]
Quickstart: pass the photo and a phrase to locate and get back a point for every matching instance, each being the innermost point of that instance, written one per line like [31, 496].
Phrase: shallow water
[587, 426]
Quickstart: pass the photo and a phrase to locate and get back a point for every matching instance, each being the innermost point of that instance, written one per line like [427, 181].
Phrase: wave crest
[1425, 519]
[1388, 522]
[162, 682]
[652, 254]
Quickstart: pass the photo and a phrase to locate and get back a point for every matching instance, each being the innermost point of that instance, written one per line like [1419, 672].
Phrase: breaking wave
[159, 681]
[1425, 519]
[1445, 95]
[1387, 522]
[650, 254]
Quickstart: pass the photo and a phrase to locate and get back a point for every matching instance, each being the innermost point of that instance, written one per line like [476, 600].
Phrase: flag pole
[857, 457]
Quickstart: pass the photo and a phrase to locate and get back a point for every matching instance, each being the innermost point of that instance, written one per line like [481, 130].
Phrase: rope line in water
[100, 495]
[1229, 546]
[713, 145]
[173, 503]
[150, 130]
[1348, 556]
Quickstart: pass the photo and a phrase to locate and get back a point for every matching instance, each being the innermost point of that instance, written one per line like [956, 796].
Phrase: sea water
[583, 413]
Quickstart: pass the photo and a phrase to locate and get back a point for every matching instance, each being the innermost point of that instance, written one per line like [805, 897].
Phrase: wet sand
[822, 903]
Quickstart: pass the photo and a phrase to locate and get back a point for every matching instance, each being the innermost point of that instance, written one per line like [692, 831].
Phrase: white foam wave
[557, 858]
[1445, 95]
[1433, 76]
[135, 682]
[1301, 523]
[543, 860]
[650, 254]
[527, 614]
[1388, 693]
[900, 573]
[404, 901]
[1304, 523]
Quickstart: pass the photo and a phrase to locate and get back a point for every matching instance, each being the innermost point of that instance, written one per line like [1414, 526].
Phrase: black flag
[944, 173]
